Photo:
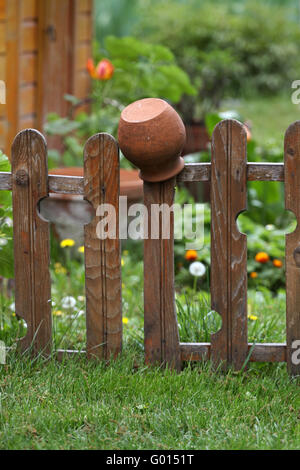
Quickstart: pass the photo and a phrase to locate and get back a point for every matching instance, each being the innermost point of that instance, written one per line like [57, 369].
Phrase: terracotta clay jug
[151, 136]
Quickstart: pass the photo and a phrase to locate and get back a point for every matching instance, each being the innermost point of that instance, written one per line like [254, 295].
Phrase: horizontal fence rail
[192, 172]
[228, 174]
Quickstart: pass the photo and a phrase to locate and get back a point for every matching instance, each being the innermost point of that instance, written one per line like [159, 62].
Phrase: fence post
[228, 245]
[102, 256]
[31, 240]
[161, 328]
[292, 253]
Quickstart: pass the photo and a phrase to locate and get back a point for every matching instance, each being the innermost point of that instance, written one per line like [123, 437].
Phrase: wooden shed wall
[44, 46]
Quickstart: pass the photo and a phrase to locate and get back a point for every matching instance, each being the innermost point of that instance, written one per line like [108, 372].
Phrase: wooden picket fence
[228, 173]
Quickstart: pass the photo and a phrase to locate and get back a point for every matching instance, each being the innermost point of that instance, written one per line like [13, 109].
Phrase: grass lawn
[270, 117]
[86, 405]
[125, 405]
[78, 404]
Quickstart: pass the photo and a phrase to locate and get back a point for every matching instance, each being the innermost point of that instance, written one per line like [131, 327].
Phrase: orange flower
[91, 68]
[277, 263]
[253, 275]
[262, 257]
[105, 70]
[191, 255]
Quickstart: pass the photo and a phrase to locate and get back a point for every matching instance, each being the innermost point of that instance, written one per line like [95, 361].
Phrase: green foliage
[115, 17]
[144, 70]
[141, 70]
[6, 232]
[227, 50]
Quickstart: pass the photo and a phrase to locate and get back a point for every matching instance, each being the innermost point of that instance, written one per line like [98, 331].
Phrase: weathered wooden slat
[5, 181]
[228, 245]
[266, 352]
[292, 254]
[102, 256]
[265, 172]
[66, 184]
[31, 240]
[193, 172]
[161, 328]
[196, 172]
[195, 351]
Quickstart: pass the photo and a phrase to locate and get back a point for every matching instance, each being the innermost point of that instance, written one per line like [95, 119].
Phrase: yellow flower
[252, 317]
[58, 313]
[125, 320]
[60, 270]
[123, 285]
[81, 249]
[68, 242]
[122, 262]
[125, 252]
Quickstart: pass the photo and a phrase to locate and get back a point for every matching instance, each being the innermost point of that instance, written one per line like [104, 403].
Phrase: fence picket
[102, 256]
[228, 173]
[228, 245]
[161, 329]
[292, 253]
[31, 240]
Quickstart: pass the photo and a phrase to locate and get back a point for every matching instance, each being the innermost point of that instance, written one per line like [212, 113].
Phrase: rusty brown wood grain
[292, 253]
[161, 329]
[228, 245]
[102, 256]
[31, 240]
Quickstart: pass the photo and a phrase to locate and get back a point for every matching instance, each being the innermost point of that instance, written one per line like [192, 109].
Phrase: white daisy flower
[68, 302]
[197, 269]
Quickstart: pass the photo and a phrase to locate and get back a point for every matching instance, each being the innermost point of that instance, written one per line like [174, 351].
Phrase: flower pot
[151, 136]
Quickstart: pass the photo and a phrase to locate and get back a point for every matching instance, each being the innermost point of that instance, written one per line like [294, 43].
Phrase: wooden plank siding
[3, 120]
[44, 47]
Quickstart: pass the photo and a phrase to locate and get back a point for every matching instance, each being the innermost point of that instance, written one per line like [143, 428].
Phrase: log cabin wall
[44, 46]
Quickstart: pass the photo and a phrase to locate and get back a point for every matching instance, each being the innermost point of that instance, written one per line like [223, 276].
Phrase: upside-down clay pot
[151, 136]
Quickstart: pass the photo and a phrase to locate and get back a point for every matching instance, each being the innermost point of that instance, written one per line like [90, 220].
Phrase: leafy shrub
[226, 51]
[140, 70]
